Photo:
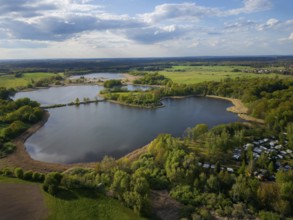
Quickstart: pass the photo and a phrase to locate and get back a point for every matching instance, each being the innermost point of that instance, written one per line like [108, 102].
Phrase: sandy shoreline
[239, 108]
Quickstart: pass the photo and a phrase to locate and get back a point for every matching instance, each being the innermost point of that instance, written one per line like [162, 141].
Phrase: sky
[41, 29]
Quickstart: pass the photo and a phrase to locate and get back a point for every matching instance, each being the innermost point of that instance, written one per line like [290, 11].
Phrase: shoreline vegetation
[21, 158]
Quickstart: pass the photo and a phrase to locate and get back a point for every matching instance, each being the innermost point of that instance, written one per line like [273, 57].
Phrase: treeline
[15, 117]
[267, 98]
[84, 66]
[140, 99]
[152, 79]
[112, 83]
[45, 82]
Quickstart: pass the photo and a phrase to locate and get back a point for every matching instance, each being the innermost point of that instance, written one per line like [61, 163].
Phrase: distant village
[275, 151]
[287, 71]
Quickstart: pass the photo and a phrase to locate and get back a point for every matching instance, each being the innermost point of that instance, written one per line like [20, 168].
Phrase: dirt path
[164, 206]
[21, 201]
[21, 158]
[239, 108]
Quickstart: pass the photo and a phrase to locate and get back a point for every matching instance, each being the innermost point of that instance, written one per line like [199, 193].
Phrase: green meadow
[198, 74]
[10, 81]
[86, 204]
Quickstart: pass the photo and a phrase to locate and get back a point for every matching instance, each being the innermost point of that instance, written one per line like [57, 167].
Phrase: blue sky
[144, 28]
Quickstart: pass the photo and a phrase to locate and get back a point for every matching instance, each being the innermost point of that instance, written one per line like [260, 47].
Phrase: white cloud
[177, 11]
[168, 29]
[251, 6]
[272, 22]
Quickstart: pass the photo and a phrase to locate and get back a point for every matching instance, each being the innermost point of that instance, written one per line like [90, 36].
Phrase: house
[273, 143]
[213, 166]
[256, 155]
[230, 170]
[206, 165]
[287, 168]
[278, 147]
[283, 152]
[236, 157]
[257, 150]
[260, 176]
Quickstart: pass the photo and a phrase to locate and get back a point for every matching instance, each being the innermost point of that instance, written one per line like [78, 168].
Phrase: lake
[99, 76]
[67, 94]
[87, 133]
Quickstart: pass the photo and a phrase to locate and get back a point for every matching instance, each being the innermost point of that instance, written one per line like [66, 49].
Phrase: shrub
[7, 172]
[52, 189]
[112, 83]
[18, 172]
[71, 182]
[28, 175]
[52, 182]
[8, 148]
[268, 215]
[38, 177]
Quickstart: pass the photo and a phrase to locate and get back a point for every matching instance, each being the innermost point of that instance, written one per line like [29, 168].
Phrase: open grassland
[75, 204]
[197, 74]
[10, 81]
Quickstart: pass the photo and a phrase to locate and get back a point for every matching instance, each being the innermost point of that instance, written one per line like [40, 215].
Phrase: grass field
[83, 204]
[197, 74]
[10, 81]
[79, 204]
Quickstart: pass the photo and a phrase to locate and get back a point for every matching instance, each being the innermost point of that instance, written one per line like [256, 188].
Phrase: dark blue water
[89, 132]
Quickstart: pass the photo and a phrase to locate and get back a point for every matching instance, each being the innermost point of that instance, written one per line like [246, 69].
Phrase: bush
[268, 215]
[38, 177]
[28, 175]
[71, 182]
[18, 172]
[8, 148]
[7, 172]
[52, 182]
[52, 189]
[112, 83]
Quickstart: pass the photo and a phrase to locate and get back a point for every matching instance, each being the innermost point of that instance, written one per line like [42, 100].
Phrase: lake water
[101, 76]
[89, 132]
[64, 95]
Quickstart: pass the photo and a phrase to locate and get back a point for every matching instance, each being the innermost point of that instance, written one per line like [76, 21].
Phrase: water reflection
[88, 132]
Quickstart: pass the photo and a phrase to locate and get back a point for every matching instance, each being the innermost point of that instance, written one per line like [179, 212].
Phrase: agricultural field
[10, 81]
[198, 74]
[75, 204]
